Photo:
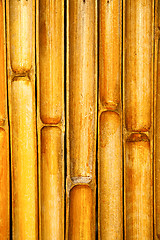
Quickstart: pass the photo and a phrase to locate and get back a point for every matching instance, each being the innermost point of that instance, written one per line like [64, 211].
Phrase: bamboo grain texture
[79, 119]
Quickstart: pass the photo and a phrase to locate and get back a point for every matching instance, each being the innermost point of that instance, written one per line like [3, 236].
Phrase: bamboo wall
[79, 119]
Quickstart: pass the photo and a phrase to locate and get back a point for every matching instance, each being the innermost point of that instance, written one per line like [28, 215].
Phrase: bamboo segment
[24, 160]
[2, 68]
[109, 52]
[157, 149]
[51, 59]
[4, 187]
[52, 208]
[81, 216]
[20, 27]
[110, 177]
[138, 188]
[82, 86]
[138, 59]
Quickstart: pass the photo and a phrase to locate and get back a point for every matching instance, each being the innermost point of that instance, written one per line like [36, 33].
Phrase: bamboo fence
[79, 119]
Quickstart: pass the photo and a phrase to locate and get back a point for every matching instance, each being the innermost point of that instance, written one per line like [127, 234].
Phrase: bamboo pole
[81, 118]
[4, 136]
[138, 117]
[24, 155]
[50, 117]
[138, 187]
[51, 58]
[156, 124]
[21, 94]
[21, 17]
[110, 210]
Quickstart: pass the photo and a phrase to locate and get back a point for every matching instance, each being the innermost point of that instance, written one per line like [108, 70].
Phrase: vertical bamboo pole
[156, 123]
[81, 118]
[4, 134]
[110, 210]
[50, 117]
[138, 118]
[21, 92]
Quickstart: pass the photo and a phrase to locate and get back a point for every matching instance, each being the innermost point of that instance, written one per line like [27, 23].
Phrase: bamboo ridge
[79, 119]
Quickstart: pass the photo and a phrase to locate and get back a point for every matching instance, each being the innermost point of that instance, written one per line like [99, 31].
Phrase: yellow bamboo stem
[81, 86]
[81, 117]
[50, 117]
[2, 67]
[138, 188]
[24, 164]
[4, 140]
[110, 177]
[138, 59]
[81, 218]
[52, 200]
[110, 212]
[51, 59]
[109, 52]
[4, 187]
[157, 121]
[20, 20]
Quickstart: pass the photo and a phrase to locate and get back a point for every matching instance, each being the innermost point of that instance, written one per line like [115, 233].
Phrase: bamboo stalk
[21, 96]
[24, 155]
[109, 52]
[4, 187]
[50, 117]
[81, 215]
[81, 117]
[138, 117]
[156, 125]
[138, 58]
[110, 210]
[4, 141]
[2, 67]
[51, 184]
[21, 17]
[138, 188]
[51, 59]
[110, 177]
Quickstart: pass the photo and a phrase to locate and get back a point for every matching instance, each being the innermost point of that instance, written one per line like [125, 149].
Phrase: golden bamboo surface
[22, 115]
[81, 119]
[4, 135]
[138, 29]
[156, 124]
[50, 117]
[110, 188]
